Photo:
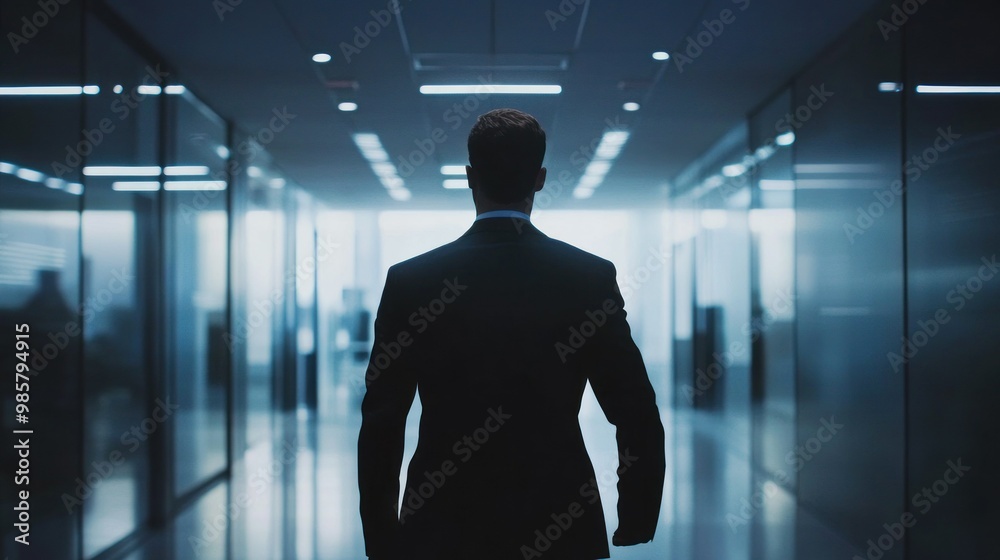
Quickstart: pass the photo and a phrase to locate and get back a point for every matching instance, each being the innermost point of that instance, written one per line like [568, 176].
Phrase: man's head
[506, 149]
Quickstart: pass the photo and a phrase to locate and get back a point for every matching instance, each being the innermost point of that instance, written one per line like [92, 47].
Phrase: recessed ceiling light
[661, 55]
[348, 106]
[631, 106]
[322, 58]
[456, 184]
[118, 88]
[254, 171]
[786, 139]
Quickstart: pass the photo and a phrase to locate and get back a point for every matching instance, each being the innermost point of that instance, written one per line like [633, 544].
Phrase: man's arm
[390, 387]
[621, 385]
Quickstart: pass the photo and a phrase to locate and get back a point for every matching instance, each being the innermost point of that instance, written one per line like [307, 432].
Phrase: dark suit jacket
[500, 331]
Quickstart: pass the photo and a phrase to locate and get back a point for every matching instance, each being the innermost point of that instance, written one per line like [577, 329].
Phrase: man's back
[499, 332]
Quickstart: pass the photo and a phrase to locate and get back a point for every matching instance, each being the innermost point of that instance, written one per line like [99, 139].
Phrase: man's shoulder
[563, 253]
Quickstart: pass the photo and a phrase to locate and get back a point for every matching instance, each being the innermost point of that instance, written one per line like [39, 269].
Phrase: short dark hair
[506, 147]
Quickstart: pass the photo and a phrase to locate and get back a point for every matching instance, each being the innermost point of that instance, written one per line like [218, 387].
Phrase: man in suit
[500, 331]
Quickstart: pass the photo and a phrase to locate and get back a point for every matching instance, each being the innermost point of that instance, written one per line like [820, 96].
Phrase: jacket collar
[510, 226]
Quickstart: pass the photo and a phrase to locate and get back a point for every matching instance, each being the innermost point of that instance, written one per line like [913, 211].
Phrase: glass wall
[41, 310]
[120, 271]
[950, 355]
[122, 209]
[196, 280]
[873, 231]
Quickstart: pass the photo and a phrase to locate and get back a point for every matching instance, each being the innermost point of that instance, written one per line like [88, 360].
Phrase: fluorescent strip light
[366, 140]
[348, 106]
[456, 184]
[582, 193]
[194, 186]
[54, 183]
[887, 87]
[30, 175]
[7, 167]
[74, 188]
[734, 170]
[777, 185]
[631, 106]
[254, 171]
[375, 155]
[661, 55]
[149, 90]
[401, 195]
[391, 182]
[589, 182]
[958, 89]
[130, 186]
[49, 90]
[385, 169]
[598, 168]
[175, 170]
[322, 58]
[491, 89]
[276, 183]
[174, 90]
[617, 137]
[122, 170]
[453, 170]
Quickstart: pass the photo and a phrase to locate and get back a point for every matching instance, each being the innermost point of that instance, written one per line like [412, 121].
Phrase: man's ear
[540, 179]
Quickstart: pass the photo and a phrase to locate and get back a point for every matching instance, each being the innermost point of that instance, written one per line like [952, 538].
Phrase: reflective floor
[301, 501]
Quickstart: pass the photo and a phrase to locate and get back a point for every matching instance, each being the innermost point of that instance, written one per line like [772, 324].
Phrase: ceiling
[246, 59]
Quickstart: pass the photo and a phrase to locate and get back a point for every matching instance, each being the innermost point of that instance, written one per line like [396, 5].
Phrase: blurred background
[199, 201]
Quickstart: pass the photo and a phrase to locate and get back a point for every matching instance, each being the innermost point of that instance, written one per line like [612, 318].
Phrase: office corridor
[200, 201]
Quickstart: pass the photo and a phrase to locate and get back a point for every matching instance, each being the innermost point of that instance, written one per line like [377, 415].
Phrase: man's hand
[625, 539]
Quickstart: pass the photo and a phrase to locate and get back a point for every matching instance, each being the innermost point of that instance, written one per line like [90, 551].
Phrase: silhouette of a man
[500, 331]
